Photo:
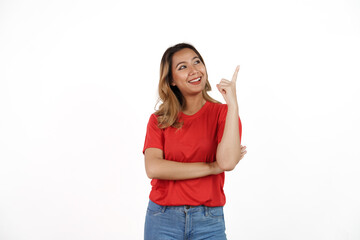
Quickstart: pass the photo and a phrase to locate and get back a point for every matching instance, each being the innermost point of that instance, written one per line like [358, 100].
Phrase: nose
[192, 70]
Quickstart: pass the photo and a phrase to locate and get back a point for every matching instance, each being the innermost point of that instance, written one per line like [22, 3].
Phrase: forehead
[183, 55]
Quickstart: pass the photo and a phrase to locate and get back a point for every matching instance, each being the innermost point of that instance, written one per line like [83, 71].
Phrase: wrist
[233, 107]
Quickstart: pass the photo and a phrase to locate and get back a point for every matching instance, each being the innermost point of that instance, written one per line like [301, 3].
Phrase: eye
[182, 67]
[197, 62]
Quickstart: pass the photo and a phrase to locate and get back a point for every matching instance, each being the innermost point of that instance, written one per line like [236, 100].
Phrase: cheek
[203, 70]
[205, 75]
[179, 77]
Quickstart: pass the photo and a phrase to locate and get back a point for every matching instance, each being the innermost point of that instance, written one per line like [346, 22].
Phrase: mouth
[195, 81]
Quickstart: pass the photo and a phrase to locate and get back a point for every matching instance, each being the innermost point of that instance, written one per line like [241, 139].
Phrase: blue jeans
[184, 222]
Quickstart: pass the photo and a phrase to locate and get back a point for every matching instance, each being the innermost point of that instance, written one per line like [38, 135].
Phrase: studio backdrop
[78, 82]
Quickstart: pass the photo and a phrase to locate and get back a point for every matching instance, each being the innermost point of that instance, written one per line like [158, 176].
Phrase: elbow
[227, 158]
[150, 173]
[226, 166]
[152, 170]
[149, 169]
[227, 161]
[152, 164]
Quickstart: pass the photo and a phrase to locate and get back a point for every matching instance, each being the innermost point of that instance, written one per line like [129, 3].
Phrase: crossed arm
[159, 168]
[228, 154]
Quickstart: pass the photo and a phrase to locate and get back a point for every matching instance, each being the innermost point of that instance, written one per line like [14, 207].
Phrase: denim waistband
[181, 207]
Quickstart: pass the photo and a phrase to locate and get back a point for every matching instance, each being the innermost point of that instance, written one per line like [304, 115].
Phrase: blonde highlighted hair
[172, 101]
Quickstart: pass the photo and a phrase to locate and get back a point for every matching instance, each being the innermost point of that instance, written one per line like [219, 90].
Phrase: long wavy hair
[172, 101]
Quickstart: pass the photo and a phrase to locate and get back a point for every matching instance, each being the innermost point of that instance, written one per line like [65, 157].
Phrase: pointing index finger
[234, 78]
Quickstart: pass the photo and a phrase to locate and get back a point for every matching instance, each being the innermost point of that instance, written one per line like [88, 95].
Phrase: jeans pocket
[155, 209]
[216, 212]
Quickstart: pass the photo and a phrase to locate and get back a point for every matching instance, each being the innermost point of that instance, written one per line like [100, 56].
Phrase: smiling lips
[195, 81]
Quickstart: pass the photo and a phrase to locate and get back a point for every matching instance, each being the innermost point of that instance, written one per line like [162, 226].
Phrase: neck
[193, 104]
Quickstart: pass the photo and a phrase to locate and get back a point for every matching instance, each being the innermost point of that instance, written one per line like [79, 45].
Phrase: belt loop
[163, 209]
[206, 211]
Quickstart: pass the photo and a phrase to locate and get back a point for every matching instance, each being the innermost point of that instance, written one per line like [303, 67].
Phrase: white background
[78, 82]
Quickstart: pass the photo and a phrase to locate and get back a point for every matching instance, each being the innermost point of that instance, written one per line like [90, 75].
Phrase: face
[188, 72]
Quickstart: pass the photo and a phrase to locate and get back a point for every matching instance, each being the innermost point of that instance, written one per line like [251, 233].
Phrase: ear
[173, 84]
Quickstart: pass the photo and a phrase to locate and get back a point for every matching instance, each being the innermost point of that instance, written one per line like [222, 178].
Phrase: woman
[190, 141]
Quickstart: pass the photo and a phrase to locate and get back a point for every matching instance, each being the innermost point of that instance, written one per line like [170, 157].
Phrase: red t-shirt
[195, 141]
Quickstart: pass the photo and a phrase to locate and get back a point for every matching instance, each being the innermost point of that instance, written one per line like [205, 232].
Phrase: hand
[228, 89]
[242, 151]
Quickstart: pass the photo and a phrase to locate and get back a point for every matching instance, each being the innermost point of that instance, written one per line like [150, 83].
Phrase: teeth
[195, 80]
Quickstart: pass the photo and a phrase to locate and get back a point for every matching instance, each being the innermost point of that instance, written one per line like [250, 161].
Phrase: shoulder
[154, 116]
[153, 119]
[217, 107]
[217, 111]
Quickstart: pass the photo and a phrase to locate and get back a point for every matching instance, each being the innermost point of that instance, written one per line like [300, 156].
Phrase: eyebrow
[185, 62]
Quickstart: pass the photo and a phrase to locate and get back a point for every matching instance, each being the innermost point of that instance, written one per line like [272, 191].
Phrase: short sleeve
[154, 135]
[221, 124]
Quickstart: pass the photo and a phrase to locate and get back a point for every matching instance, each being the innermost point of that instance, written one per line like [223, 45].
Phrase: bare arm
[159, 168]
[229, 151]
